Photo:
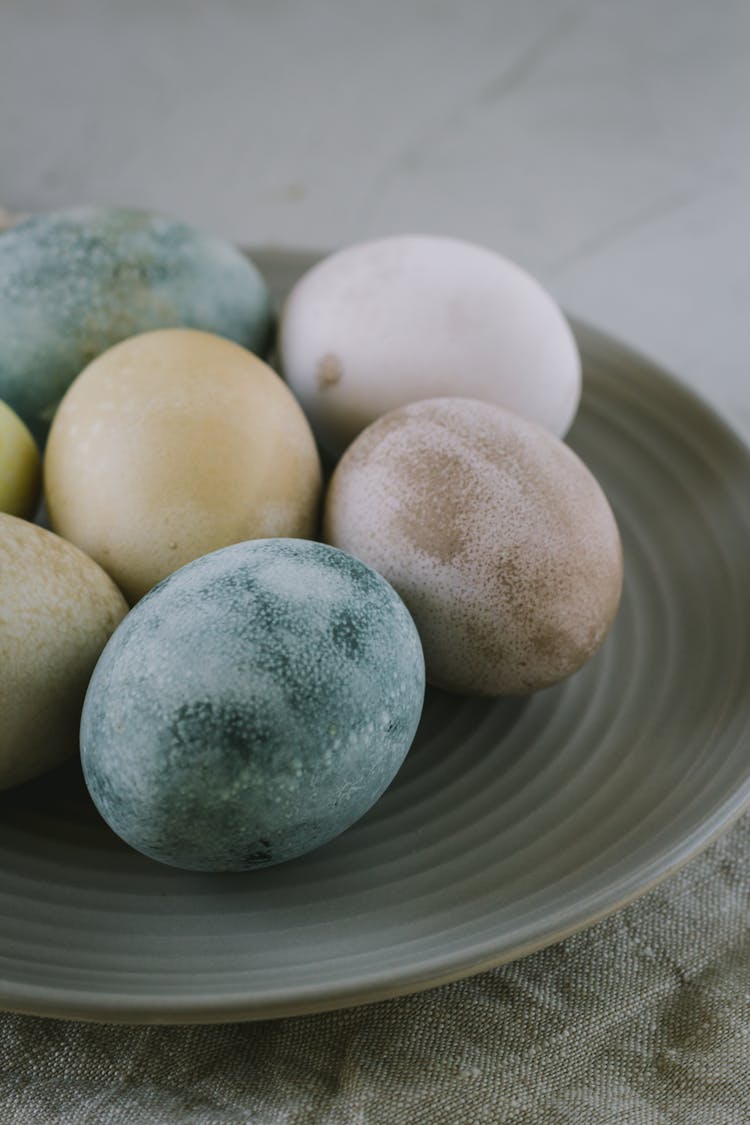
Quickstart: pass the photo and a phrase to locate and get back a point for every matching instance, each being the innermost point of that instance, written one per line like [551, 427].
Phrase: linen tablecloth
[644, 1019]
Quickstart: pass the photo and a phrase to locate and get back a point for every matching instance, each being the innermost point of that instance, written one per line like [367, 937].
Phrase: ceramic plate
[511, 823]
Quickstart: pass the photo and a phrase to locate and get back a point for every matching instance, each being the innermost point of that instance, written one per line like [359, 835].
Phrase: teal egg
[252, 706]
[73, 283]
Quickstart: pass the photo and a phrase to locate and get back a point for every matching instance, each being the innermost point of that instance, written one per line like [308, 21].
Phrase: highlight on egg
[173, 444]
[75, 282]
[252, 706]
[58, 611]
[496, 535]
[382, 323]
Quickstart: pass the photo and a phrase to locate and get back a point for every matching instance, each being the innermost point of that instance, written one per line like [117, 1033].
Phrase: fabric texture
[644, 1019]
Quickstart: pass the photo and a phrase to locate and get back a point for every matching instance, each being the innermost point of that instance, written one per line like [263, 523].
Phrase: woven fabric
[642, 1020]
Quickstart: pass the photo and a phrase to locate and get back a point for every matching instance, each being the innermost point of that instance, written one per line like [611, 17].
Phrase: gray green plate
[511, 823]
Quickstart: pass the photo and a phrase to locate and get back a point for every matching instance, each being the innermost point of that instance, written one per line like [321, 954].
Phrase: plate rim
[311, 1001]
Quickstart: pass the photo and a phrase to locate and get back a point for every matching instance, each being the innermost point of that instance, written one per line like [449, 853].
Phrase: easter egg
[57, 611]
[20, 466]
[171, 445]
[496, 535]
[252, 706]
[391, 321]
[72, 283]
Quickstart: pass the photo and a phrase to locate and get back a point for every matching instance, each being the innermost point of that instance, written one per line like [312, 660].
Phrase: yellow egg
[20, 466]
[171, 445]
[58, 611]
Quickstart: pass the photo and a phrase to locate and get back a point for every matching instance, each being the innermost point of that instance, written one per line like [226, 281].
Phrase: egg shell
[496, 535]
[20, 466]
[252, 706]
[57, 611]
[171, 445]
[391, 321]
[75, 282]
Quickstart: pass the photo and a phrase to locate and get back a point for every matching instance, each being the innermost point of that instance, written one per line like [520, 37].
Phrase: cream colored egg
[394, 320]
[495, 534]
[57, 612]
[171, 445]
[20, 466]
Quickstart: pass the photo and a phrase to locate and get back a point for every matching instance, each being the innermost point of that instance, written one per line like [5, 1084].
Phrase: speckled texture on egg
[496, 535]
[252, 706]
[173, 444]
[394, 320]
[72, 283]
[57, 611]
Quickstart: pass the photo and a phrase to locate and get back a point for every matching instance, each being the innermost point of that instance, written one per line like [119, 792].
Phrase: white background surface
[605, 146]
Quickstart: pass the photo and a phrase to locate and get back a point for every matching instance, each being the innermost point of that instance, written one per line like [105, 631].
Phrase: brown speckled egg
[495, 534]
[171, 445]
[58, 609]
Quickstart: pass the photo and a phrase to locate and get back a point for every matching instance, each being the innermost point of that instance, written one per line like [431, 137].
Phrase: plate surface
[511, 823]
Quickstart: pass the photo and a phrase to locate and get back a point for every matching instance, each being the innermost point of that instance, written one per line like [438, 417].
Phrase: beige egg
[57, 612]
[495, 534]
[171, 445]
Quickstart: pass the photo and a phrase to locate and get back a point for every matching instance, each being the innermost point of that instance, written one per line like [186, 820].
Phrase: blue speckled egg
[73, 283]
[252, 706]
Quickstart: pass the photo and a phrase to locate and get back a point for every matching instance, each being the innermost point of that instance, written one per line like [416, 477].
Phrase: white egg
[384, 323]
